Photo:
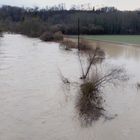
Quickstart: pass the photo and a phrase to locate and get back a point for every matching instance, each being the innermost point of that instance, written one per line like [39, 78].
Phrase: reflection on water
[35, 105]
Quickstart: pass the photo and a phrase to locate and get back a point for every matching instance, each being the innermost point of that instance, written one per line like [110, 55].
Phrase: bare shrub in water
[138, 86]
[83, 45]
[68, 45]
[47, 36]
[89, 104]
[50, 36]
[58, 36]
[0, 33]
[96, 56]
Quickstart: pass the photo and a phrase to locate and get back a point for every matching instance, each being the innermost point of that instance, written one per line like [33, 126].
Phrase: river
[36, 105]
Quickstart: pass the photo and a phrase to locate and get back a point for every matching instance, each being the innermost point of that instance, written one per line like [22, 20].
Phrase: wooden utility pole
[79, 48]
[78, 34]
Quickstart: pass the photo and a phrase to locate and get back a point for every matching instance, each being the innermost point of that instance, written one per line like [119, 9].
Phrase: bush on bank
[50, 36]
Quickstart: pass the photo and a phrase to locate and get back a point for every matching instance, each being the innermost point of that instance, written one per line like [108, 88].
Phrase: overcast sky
[120, 4]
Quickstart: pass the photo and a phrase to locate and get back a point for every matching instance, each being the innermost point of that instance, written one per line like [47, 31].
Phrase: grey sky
[120, 4]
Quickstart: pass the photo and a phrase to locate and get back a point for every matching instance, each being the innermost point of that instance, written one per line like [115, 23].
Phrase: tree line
[34, 21]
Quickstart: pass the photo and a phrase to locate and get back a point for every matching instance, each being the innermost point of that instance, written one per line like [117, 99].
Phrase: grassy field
[129, 39]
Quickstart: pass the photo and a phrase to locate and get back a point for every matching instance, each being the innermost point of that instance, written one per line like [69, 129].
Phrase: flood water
[36, 105]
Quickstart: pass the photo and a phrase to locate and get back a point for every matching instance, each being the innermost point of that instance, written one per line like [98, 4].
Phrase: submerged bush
[0, 33]
[68, 44]
[87, 88]
[84, 45]
[89, 103]
[47, 36]
[50, 36]
[58, 36]
[138, 85]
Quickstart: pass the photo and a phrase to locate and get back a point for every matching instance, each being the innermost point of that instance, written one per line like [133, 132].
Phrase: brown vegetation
[58, 36]
[83, 45]
[89, 104]
[47, 36]
[0, 33]
[138, 85]
[68, 44]
[97, 55]
[50, 36]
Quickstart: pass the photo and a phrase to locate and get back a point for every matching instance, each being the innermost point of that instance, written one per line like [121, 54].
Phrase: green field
[129, 39]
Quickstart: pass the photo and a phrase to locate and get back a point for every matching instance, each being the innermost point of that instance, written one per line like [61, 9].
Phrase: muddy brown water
[35, 105]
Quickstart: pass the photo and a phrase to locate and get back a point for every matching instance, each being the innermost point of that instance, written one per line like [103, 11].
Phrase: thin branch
[90, 64]
[81, 64]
